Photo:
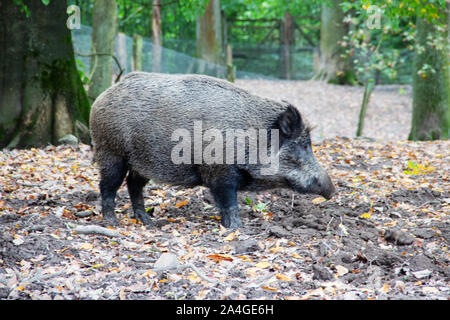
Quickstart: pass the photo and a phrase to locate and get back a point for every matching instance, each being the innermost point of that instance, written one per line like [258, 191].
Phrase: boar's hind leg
[225, 196]
[112, 173]
[136, 184]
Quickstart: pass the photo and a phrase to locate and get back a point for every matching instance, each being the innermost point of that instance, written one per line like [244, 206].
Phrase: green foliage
[394, 10]
[82, 72]
[269, 9]
[380, 47]
[191, 9]
[23, 7]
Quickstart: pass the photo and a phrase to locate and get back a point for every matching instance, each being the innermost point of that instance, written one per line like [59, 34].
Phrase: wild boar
[194, 130]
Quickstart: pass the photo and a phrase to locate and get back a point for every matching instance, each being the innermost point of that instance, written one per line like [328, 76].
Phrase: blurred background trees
[364, 43]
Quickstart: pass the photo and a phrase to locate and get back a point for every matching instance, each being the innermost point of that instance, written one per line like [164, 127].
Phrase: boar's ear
[290, 122]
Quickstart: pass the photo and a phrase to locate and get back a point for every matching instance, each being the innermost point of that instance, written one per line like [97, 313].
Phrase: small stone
[167, 261]
[83, 214]
[69, 139]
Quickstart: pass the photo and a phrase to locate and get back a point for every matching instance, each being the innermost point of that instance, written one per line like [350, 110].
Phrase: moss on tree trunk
[41, 95]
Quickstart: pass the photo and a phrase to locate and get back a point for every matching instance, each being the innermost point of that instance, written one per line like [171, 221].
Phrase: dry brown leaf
[386, 288]
[230, 237]
[220, 257]
[181, 203]
[283, 277]
[318, 200]
[269, 288]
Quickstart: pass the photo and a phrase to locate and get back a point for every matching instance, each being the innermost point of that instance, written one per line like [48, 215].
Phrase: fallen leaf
[283, 277]
[365, 215]
[318, 200]
[181, 203]
[149, 274]
[86, 246]
[230, 237]
[220, 257]
[252, 272]
[193, 277]
[269, 288]
[341, 270]
[263, 265]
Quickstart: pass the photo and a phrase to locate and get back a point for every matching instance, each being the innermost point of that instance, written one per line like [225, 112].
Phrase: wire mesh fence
[252, 61]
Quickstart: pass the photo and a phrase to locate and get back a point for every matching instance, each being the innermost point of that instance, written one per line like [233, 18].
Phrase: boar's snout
[323, 185]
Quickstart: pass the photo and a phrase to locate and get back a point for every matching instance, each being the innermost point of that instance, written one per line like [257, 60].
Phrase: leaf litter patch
[383, 236]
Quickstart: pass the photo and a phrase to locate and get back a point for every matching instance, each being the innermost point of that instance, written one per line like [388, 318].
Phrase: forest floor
[385, 235]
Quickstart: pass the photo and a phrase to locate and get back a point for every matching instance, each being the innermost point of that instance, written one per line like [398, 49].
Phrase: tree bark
[332, 67]
[41, 95]
[431, 90]
[137, 52]
[209, 34]
[287, 46]
[156, 36]
[104, 20]
[121, 51]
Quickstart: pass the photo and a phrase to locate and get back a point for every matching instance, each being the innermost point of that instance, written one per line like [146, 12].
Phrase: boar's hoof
[110, 220]
[144, 218]
[231, 219]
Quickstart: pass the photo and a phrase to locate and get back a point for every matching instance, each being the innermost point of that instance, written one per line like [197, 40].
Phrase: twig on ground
[97, 230]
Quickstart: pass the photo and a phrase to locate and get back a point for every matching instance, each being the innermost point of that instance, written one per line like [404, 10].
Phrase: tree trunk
[231, 69]
[41, 95]
[368, 88]
[104, 19]
[287, 46]
[332, 67]
[156, 36]
[209, 34]
[431, 90]
[121, 51]
[137, 52]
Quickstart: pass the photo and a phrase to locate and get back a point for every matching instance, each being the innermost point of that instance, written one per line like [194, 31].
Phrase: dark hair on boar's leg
[191, 130]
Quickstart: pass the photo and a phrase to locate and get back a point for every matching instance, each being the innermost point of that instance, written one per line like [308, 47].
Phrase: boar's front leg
[224, 189]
